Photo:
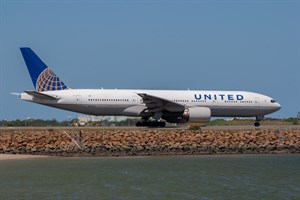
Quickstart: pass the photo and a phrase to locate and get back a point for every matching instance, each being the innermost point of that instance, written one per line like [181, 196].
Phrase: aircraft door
[78, 99]
[134, 100]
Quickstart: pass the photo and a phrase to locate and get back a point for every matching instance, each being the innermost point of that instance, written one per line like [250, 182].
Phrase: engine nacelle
[197, 114]
[192, 114]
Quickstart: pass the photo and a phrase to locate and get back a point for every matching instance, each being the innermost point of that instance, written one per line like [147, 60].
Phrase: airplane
[155, 107]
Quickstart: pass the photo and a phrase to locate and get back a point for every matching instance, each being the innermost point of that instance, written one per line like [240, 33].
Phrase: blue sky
[213, 45]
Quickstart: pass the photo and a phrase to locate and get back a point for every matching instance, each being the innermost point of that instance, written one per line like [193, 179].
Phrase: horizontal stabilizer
[40, 95]
[17, 94]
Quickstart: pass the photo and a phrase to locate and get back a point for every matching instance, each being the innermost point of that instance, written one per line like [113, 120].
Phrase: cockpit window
[273, 101]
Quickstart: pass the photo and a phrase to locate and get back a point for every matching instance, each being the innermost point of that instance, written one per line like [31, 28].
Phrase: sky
[203, 45]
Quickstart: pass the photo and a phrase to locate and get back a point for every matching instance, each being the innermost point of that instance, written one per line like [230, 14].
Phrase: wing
[154, 103]
[40, 95]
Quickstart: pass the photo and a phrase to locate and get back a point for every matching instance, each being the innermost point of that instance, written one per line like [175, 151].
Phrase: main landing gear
[151, 123]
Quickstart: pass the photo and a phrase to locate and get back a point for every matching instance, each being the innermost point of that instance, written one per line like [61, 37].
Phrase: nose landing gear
[257, 120]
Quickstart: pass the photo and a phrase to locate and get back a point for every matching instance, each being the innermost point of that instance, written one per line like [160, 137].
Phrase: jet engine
[191, 114]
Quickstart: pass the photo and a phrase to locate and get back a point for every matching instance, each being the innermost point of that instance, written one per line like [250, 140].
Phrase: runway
[184, 127]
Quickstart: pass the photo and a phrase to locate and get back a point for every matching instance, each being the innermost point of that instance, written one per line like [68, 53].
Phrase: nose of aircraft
[277, 106]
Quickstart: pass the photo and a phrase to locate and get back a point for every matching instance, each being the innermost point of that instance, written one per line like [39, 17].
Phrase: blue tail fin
[43, 78]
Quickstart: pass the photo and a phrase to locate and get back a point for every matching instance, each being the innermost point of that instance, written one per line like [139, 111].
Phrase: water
[169, 177]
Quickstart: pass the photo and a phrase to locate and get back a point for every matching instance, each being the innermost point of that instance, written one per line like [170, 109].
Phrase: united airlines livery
[155, 107]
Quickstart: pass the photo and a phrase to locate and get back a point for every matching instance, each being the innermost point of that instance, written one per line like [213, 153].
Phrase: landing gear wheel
[151, 123]
[139, 123]
[162, 124]
[257, 124]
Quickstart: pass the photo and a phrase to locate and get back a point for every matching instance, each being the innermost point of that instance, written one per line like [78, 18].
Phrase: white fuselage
[129, 103]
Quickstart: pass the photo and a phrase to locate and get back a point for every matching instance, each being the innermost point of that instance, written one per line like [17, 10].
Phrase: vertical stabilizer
[43, 78]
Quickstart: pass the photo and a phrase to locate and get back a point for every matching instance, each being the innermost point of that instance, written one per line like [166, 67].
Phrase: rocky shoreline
[142, 142]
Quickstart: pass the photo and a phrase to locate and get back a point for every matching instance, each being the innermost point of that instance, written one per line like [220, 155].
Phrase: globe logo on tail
[48, 81]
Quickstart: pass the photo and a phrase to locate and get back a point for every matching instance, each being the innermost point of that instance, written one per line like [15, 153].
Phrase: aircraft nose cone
[277, 106]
